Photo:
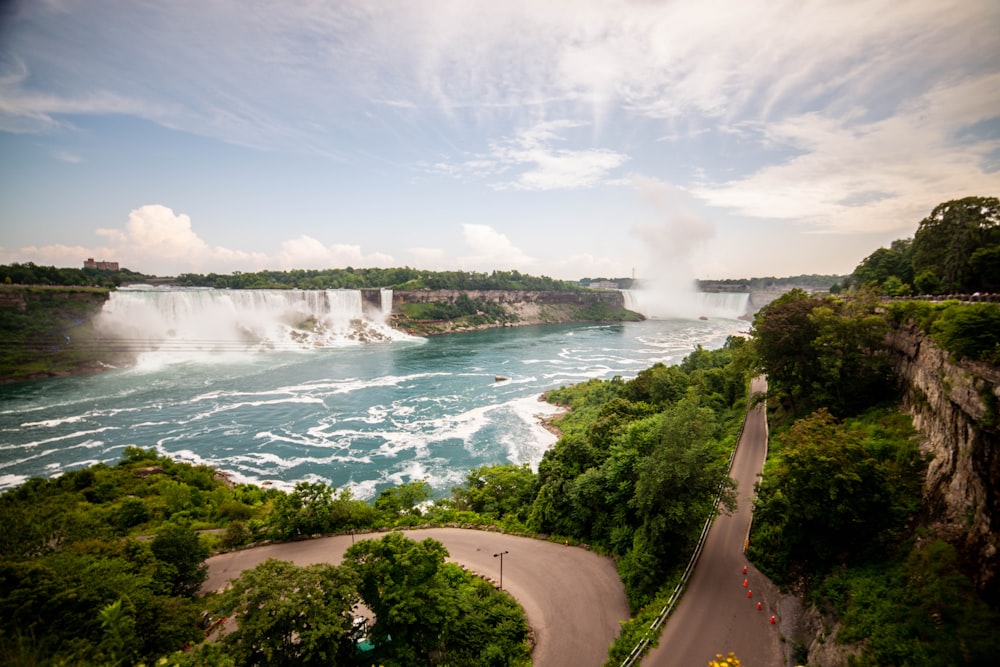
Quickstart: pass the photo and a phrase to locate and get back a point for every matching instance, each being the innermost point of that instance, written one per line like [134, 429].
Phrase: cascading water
[185, 320]
[687, 304]
[386, 303]
[725, 304]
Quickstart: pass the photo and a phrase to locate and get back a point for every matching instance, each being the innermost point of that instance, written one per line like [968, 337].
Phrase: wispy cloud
[531, 160]
[850, 115]
[66, 156]
[854, 175]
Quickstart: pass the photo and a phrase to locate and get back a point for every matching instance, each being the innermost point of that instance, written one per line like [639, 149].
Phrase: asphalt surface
[715, 615]
[573, 599]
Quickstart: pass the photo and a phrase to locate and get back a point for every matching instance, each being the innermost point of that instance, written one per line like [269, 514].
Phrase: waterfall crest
[179, 320]
[684, 304]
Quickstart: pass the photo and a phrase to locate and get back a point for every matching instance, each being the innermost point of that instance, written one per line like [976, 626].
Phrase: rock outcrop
[954, 406]
[519, 307]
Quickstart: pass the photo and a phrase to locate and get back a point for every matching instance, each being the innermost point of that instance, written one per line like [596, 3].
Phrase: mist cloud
[671, 243]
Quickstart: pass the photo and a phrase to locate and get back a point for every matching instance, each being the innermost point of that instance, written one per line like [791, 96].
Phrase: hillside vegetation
[839, 514]
[46, 331]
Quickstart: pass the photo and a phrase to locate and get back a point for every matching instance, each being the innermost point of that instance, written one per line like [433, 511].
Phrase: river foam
[361, 418]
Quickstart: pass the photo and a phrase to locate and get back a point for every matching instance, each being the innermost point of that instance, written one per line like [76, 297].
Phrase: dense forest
[955, 250]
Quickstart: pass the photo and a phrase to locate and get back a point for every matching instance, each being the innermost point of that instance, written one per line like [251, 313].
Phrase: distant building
[603, 284]
[89, 263]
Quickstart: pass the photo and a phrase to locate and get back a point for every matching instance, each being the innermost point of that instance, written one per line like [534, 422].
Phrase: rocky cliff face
[34, 325]
[580, 298]
[954, 405]
[518, 308]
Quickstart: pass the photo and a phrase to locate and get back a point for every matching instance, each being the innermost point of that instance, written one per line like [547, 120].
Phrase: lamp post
[500, 555]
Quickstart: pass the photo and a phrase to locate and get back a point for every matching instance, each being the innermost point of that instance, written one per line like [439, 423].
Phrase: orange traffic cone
[749, 594]
[758, 606]
[772, 620]
[744, 569]
[746, 582]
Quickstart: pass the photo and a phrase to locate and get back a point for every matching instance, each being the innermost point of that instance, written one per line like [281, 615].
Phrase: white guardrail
[654, 628]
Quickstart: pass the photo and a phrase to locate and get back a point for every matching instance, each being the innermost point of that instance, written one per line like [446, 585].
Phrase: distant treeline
[812, 281]
[30, 273]
[403, 278]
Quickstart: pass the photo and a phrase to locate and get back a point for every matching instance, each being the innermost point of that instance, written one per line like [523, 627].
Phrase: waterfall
[386, 302]
[725, 304]
[686, 304]
[180, 320]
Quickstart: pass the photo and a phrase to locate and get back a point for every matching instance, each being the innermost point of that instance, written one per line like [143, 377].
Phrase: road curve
[716, 615]
[573, 598]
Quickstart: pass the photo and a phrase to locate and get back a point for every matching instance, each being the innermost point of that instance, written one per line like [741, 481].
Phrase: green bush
[970, 331]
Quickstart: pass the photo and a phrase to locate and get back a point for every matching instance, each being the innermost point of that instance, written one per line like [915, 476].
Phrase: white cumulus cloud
[306, 252]
[158, 241]
[491, 248]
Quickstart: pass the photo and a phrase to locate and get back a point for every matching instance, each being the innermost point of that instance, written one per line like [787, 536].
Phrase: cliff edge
[954, 406]
[426, 312]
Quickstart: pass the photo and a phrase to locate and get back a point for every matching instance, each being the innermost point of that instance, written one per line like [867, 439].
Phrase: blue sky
[576, 138]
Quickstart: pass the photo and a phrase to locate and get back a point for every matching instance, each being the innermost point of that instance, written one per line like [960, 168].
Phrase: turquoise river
[358, 415]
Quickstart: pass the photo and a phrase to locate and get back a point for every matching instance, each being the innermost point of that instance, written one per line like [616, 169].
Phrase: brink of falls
[184, 320]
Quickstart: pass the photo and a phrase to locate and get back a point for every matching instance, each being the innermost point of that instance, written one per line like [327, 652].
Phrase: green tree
[290, 615]
[884, 264]
[783, 333]
[119, 631]
[403, 499]
[970, 330]
[824, 497]
[498, 490]
[401, 581]
[677, 485]
[854, 369]
[948, 238]
[313, 508]
[985, 265]
[181, 558]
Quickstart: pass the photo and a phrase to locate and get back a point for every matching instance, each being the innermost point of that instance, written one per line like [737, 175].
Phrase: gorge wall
[510, 308]
[954, 406]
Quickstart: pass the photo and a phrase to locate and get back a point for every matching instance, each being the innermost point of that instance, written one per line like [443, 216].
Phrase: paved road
[715, 615]
[573, 599]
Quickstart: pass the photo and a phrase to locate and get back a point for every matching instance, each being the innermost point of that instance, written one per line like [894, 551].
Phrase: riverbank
[47, 331]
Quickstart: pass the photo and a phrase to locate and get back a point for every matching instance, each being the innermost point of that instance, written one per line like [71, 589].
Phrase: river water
[363, 416]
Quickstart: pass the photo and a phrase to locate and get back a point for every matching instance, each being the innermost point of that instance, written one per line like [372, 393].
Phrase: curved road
[715, 615]
[573, 598]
